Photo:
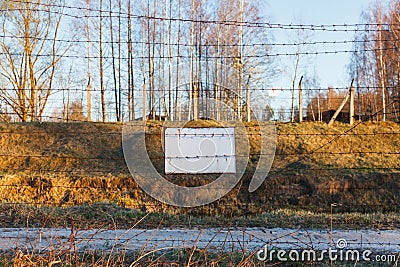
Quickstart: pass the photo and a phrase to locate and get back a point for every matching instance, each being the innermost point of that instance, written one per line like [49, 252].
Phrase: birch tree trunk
[89, 84]
[101, 68]
[131, 74]
[114, 70]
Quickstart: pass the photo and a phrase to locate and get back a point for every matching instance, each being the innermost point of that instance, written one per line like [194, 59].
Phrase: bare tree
[114, 68]
[131, 75]
[27, 76]
[75, 112]
[177, 85]
[302, 36]
[89, 83]
[101, 64]
[381, 65]
[119, 100]
[375, 64]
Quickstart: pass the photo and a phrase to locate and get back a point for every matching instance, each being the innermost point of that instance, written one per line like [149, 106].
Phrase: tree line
[375, 64]
[114, 60]
[129, 59]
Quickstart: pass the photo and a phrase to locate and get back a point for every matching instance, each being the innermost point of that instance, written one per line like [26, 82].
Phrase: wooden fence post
[301, 100]
[352, 103]
[248, 99]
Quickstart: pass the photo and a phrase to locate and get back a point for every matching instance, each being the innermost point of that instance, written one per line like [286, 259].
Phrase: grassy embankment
[63, 169]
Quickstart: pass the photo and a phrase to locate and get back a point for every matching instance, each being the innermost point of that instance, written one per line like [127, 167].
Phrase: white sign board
[200, 150]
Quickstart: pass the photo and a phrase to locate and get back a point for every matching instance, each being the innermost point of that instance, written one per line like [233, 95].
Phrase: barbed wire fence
[132, 87]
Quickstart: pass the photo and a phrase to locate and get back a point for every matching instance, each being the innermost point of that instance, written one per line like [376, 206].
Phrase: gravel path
[249, 239]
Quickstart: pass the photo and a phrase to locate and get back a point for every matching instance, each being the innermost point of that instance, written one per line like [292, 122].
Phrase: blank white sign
[200, 150]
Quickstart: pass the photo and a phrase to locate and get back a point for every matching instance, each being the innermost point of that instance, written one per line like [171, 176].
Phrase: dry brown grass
[82, 163]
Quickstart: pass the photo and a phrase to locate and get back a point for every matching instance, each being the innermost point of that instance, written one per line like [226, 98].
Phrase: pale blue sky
[331, 69]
